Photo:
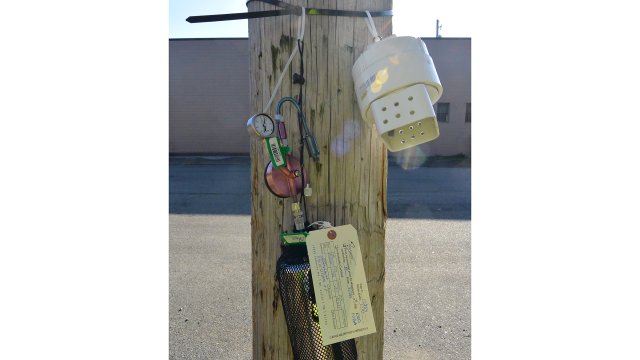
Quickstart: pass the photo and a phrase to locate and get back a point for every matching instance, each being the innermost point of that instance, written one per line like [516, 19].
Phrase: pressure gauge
[261, 126]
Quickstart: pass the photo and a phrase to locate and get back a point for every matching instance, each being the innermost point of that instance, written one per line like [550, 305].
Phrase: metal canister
[301, 312]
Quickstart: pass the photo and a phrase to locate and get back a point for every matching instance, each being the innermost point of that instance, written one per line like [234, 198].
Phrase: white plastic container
[396, 85]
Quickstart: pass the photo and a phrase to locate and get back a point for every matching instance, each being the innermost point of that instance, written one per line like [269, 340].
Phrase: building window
[467, 116]
[442, 112]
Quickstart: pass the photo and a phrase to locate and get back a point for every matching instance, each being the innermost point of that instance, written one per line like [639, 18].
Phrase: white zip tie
[301, 22]
[372, 27]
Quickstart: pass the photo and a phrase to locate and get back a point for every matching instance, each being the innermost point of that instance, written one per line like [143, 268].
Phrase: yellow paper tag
[342, 296]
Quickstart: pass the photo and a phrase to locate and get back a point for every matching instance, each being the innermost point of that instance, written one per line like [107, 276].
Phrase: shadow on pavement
[210, 185]
[221, 185]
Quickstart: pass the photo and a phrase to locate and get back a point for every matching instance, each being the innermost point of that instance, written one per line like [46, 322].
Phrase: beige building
[209, 96]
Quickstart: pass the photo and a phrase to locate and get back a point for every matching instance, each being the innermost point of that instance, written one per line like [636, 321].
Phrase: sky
[411, 18]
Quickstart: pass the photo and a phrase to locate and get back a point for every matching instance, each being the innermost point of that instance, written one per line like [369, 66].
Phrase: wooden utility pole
[350, 184]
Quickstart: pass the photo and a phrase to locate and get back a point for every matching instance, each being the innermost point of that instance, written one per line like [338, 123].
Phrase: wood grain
[349, 184]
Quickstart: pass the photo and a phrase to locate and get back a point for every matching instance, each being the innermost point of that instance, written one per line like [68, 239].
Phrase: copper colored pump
[286, 181]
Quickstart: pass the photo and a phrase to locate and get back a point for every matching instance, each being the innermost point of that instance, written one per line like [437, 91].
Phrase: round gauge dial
[261, 126]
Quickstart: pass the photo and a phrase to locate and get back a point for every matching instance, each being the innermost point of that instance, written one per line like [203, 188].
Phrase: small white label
[340, 284]
[274, 149]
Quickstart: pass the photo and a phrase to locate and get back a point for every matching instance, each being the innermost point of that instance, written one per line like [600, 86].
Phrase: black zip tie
[288, 9]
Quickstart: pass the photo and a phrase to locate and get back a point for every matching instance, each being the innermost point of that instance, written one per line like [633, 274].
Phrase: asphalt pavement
[428, 264]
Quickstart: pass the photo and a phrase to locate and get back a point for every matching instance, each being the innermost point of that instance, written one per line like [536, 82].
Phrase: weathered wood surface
[349, 187]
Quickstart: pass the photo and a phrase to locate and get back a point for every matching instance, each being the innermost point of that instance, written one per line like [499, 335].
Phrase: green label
[294, 238]
[275, 152]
